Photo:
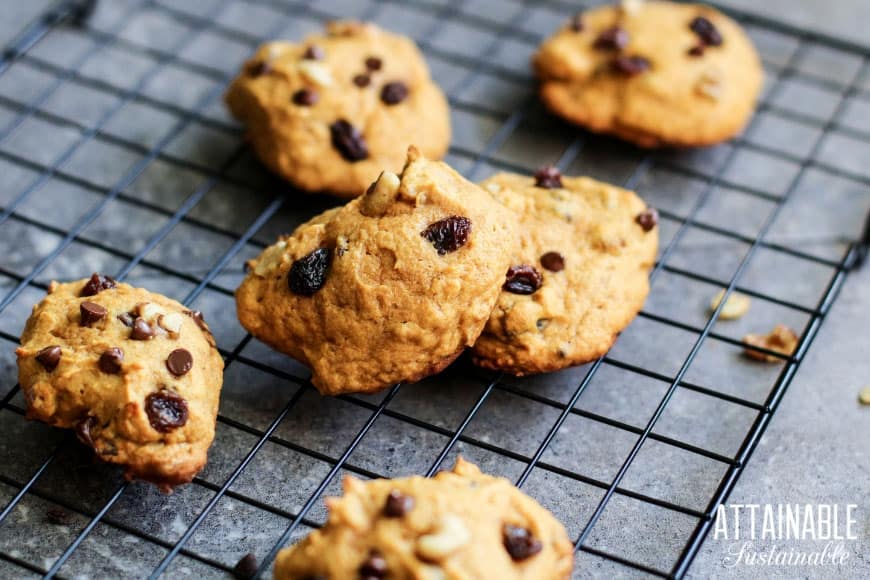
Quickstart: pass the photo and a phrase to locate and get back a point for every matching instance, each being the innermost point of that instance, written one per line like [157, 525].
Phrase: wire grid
[327, 438]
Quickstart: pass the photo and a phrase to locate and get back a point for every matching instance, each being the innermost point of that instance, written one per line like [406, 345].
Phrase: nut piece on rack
[332, 112]
[781, 339]
[146, 401]
[735, 307]
[463, 524]
[389, 288]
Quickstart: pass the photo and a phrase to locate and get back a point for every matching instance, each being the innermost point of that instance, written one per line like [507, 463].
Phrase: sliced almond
[171, 322]
[736, 306]
[316, 72]
[149, 310]
[710, 84]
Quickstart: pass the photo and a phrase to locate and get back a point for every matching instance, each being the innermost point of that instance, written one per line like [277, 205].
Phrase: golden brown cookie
[579, 277]
[391, 287]
[136, 374]
[331, 113]
[460, 524]
[653, 73]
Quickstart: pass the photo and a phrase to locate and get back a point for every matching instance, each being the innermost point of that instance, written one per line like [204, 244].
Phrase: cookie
[135, 374]
[653, 73]
[388, 288]
[579, 277]
[460, 524]
[329, 114]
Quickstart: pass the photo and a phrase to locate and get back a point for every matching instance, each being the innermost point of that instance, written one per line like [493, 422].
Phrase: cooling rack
[116, 155]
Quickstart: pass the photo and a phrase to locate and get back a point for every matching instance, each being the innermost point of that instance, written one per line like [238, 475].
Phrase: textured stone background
[814, 451]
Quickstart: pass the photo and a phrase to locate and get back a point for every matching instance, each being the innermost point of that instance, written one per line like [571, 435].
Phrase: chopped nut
[380, 195]
[450, 535]
[736, 306]
[864, 396]
[630, 7]
[171, 322]
[148, 310]
[781, 339]
[709, 84]
[270, 259]
[316, 72]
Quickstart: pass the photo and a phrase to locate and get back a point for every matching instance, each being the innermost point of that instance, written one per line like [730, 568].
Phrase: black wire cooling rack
[115, 150]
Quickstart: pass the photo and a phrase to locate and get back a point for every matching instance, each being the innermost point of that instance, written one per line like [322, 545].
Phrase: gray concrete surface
[812, 452]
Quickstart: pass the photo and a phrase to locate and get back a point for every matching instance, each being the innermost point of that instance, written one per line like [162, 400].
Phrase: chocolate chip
[142, 330]
[110, 361]
[647, 219]
[394, 93]
[198, 318]
[305, 97]
[374, 63]
[548, 177]
[553, 261]
[91, 312]
[614, 38]
[166, 411]
[348, 140]
[97, 284]
[127, 319]
[520, 543]
[697, 50]
[398, 504]
[246, 567]
[57, 516]
[706, 31]
[577, 23]
[630, 65]
[313, 52]
[258, 68]
[308, 273]
[449, 234]
[179, 362]
[362, 80]
[49, 357]
[522, 279]
[374, 567]
[84, 431]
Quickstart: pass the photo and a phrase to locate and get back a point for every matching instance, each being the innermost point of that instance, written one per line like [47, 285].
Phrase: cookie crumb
[864, 396]
[736, 306]
[781, 339]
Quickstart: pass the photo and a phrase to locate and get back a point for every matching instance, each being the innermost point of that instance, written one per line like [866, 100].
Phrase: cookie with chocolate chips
[330, 113]
[135, 374]
[579, 275]
[653, 73]
[388, 288]
[458, 524]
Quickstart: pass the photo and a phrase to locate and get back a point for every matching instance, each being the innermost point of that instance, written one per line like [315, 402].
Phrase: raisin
[553, 261]
[449, 234]
[522, 279]
[520, 543]
[394, 93]
[614, 38]
[398, 504]
[630, 65]
[308, 273]
[348, 140]
[697, 50]
[647, 219]
[548, 177]
[97, 284]
[706, 31]
[362, 81]
[166, 411]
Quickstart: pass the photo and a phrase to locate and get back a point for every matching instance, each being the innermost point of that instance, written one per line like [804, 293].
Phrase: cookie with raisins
[579, 275]
[388, 288]
[458, 524]
[653, 73]
[135, 374]
[333, 111]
